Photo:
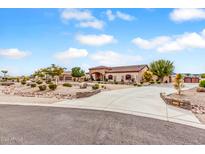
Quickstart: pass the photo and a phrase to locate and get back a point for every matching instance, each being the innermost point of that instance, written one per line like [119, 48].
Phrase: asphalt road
[50, 125]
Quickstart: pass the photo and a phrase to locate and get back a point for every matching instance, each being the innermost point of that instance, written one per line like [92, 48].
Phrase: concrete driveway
[142, 101]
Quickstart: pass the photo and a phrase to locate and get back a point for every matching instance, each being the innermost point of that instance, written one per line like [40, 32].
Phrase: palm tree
[4, 72]
[162, 68]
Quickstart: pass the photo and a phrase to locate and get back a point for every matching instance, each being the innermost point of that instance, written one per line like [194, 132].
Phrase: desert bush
[52, 86]
[202, 83]
[42, 87]
[48, 81]
[33, 85]
[138, 84]
[28, 84]
[178, 83]
[203, 76]
[39, 82]
[67, 85]
[158, 82]
[115, 82]
[147, 76]
[151, 82]
[17, 80]
[7, 83]
[96, 86]
[23, 82]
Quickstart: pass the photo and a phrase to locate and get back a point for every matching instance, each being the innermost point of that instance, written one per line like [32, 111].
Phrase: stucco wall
[137, 76]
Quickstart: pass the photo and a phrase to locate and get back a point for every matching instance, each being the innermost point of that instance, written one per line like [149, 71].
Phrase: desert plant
[48, 81]
[202, 83]
[17, 80]
[151, 82]
[4, 72]
[33, 85]
[147, 76]
[162, 68]
[203, 76]
[158, 82]
[39, 82]
[42, 87]
[96, 86]
[23, 82]
[67, 85]
[178, 83]
[52, 86]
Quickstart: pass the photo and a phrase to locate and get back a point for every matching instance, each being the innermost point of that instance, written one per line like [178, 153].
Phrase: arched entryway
[97, 76]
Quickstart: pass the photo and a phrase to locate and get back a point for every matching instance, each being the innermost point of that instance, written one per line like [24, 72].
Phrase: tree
[53, 71]
[162, 68]
[4, 72]
[203, 76]
[178, 83]
[147, 76]
[77, 72]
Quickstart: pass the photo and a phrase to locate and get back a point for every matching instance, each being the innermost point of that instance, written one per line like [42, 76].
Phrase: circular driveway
[52, 125]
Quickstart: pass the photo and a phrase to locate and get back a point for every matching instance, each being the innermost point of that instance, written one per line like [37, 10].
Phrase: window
[128, 77]
[110, 77]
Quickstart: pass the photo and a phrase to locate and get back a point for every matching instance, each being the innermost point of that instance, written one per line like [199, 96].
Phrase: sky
[35, 38]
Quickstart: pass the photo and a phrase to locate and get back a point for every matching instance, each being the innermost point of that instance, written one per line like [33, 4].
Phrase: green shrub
[151, 82]
[203, 76]
[202, 83]
[42, 87]
[33, 85]
[23, 82]
[67, 85]
[48, 81]
[39, 82]
[96, 86]
[115, 82]
[138, 84]
[17, 80]
[158, 82]
[52, 86]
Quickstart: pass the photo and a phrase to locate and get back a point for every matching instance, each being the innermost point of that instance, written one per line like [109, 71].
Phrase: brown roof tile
[132, 68]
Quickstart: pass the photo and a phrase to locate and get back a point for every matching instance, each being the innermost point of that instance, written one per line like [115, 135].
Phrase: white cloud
[97, 24]
[76, 14]
[180, 15]
[95, 40]
[84, 17]
[13, 53]
[152, 43]
[124, 16]
[112, 58]
[172, 43]
[110, 15]
[71, 53]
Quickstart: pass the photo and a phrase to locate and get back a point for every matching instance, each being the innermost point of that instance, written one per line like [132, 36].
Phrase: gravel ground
[49, 125]
[196, 98]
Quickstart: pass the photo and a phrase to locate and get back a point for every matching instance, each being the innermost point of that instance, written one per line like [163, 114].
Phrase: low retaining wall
[87, 94]
[185, 104]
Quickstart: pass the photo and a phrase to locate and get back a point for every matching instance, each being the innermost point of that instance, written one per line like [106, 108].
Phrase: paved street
[52, 125]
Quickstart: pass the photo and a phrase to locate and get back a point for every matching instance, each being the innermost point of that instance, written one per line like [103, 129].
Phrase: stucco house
[133, 73]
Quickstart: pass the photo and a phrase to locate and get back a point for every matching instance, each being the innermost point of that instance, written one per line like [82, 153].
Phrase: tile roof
[118, 69]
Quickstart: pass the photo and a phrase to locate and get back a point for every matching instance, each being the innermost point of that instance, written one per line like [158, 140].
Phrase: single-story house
[133, 73]
[66, 76]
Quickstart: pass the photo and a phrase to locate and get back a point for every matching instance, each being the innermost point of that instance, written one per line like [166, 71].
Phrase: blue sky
[34, 38]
